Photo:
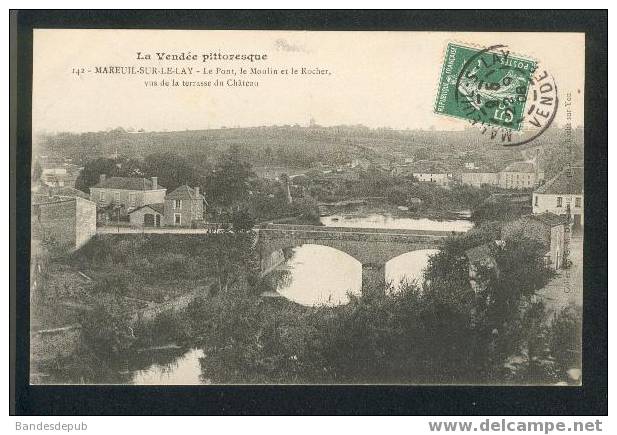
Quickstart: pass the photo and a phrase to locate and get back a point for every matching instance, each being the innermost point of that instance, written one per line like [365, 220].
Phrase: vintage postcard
[306, 207]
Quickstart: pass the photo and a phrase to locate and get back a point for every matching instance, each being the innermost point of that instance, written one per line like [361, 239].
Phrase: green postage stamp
[487, 86]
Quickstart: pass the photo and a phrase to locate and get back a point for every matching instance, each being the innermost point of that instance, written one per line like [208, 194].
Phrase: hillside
[304, 146]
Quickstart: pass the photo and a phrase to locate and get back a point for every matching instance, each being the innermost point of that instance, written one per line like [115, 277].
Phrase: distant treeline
[305, 146]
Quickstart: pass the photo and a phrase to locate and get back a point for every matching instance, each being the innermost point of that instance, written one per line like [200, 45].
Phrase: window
[177, 203]
[535, 200]
[102, 196]
[559, 201]
[132, 199]
[577, 202]
[117, 197]
[177, 219]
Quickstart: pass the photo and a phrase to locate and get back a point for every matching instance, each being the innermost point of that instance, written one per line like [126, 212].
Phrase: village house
[128, 193]
[58, 171]
[184, 206]
[547, 228]
[520, 175]
[60, 177]
[563, 195]
[150, 215]
[431, 172]
[479, 179]
[42, 192]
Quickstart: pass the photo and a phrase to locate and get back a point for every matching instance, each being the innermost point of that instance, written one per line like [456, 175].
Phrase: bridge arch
[367, 251]
[276, 253]
[373, 248]
[319, 275]
[408, 266]
[288, 243]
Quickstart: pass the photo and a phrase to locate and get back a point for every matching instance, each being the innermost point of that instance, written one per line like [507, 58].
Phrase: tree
[496, 309]
[422, 153]
[106, 331]
[229, 257]
[242, 221]
[229, 183]
[92, 171]
[172, 170]
[566, 337]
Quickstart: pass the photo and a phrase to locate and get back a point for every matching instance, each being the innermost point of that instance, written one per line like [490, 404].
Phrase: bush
[566, 336]
[106, 332]
[118, 283]
[242, 221]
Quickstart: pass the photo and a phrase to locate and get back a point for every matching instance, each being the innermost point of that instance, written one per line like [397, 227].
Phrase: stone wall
[85, 221]
[55, 221]
[70, 223]
[558, 245]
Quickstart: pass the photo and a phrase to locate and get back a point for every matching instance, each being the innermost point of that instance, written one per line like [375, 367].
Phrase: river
[323, 275]
[181, 370]
[314, 275]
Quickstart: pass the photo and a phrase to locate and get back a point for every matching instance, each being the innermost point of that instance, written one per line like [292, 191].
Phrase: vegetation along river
[317, 275]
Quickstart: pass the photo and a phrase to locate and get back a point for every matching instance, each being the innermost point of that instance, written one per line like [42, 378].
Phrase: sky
[378, 79]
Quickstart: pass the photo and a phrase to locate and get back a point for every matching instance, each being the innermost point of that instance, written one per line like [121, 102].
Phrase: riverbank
[369, 208]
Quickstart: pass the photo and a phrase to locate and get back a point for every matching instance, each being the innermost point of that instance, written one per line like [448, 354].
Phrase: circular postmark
[512, 100]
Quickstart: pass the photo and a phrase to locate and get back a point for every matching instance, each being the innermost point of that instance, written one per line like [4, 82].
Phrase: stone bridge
[372, 247]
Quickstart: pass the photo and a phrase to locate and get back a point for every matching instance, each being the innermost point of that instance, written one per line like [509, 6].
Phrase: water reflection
[320, 275]
[408, 267]
[311, 275]
[182, 370]
[374, 220]
[317, 275]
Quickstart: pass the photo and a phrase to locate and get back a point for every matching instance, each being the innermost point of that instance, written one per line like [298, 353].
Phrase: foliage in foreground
[442, 332]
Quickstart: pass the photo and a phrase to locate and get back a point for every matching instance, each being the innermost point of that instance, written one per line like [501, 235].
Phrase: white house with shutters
[563, 195]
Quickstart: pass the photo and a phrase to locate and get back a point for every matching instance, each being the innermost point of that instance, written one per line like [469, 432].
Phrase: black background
[590, 399]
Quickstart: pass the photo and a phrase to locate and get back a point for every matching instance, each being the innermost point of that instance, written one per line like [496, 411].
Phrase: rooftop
[550, 219]
[184, 192]
[43, 194]
[126, 183]
[158, 207]
[568, 182]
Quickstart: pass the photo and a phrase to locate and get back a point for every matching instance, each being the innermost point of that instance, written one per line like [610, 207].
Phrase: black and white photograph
[244, 207]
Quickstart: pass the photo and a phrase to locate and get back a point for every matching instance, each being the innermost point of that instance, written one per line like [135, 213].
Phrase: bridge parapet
[369, 246]
[286, 227]
[307, 236]
[372, 247]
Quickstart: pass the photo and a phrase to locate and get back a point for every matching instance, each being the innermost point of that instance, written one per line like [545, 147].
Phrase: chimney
[155, 183]
[102, 178]
[197, 191]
